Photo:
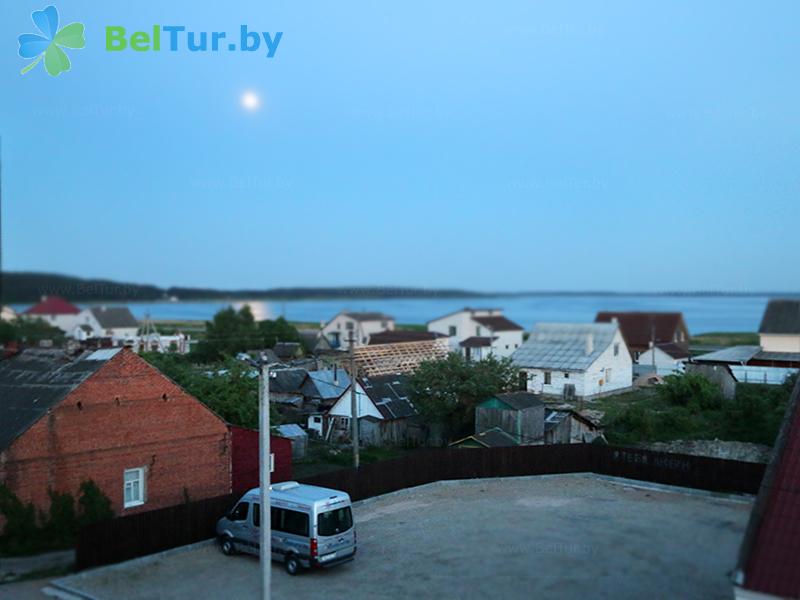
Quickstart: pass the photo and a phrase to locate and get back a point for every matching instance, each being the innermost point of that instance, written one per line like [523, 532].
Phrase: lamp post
[265, 528]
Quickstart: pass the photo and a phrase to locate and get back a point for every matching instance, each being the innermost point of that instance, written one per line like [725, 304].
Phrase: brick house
[111, 417]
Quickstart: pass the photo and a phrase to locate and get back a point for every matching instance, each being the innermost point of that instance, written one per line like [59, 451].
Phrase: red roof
[498, 323]
[53, 305]
[770, 556]
[638, 327]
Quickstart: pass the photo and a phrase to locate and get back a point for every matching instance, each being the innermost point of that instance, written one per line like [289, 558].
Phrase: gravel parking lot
[563, 536]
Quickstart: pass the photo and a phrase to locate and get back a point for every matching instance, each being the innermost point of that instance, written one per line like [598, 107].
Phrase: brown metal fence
[145, 533]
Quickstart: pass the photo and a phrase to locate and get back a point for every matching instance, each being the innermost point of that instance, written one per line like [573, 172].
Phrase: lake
[703, 313]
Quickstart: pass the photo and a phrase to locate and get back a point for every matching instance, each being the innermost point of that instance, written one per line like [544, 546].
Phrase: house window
[608, 375]
[452, 330]
[384, 324]
[349, 325]
[566, 375]
[478, 330]
[547, 377]
[616, 349]
[134, 487]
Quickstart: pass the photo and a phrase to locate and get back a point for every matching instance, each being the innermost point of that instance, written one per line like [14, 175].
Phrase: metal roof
[734, 354]
[326, 384]
[389, 394]
[564, 346]
[114, 317]
[292, 431]
[519, 400]
[34, 381]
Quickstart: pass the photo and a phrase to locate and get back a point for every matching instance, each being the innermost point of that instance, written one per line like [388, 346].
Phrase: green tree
[228, 387]
[29, 332]
[446, 391]
[279, 330]
[228, 333]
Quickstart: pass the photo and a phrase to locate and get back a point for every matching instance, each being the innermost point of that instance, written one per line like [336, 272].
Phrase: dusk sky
[623, 146]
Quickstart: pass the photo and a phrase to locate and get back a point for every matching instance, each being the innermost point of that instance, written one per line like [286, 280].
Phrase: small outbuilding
[519, 414]
[297, 436]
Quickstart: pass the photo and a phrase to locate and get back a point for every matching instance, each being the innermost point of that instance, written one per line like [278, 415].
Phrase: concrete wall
[775, 342]
[719, 374]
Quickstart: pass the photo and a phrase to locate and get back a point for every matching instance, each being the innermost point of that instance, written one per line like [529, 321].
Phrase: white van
[311, 526]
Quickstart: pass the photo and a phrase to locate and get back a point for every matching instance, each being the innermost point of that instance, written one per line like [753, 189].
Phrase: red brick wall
[245, 458]
[126, 415]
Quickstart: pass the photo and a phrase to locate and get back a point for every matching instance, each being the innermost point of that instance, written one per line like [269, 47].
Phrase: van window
[289, 521]
[257, 515]
[240, 512]
[334, 521]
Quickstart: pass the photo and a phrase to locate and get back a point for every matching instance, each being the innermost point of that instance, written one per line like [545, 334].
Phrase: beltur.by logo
[49, 45]
[175, 37]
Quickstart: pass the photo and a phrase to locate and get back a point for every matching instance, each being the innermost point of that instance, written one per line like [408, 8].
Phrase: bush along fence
[145, 533]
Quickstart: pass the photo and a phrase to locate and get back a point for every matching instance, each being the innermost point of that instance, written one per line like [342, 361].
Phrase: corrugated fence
[145, 533]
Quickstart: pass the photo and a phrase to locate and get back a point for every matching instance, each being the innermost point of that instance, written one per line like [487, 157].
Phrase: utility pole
[265, 533]
[353, 403]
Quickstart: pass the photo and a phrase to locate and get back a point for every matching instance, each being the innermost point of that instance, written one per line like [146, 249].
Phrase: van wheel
[227, 546]
[292, 565]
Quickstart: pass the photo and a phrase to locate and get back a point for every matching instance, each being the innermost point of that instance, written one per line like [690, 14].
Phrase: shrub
[692, 390]
[632, 425]
[59, 526]
[20, 531]
[93, 504]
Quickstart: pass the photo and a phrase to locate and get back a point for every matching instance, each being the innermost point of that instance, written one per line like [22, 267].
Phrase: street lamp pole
[265, 533]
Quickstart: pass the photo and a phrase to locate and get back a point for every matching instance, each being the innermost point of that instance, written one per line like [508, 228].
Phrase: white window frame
[142, 473]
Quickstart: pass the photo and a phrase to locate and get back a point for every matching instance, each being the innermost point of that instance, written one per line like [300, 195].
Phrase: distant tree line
[24, 288]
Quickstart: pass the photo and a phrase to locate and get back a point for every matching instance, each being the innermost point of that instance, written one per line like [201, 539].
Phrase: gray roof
[389, 394]
[491, 438]
[114, 317]
[734, 354]
[368, 316]
[326, 384]
[563, 346]
[287, 381]
[781, 316]
[35, 381]
[292, 431]
[778, 356]
[519, 400]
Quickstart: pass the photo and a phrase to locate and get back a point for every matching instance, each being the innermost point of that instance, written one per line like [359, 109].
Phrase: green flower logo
[48, 45]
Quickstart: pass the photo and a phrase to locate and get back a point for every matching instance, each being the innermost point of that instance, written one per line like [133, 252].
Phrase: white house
[7, 313]
[664, 359]
[575, 360]
[479, 332]
[55, 311]
[361, 324]
[115, 322]
[780, 327]
[382, 405]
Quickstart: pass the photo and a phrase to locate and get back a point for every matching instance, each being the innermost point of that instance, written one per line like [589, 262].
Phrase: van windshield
[334, 522]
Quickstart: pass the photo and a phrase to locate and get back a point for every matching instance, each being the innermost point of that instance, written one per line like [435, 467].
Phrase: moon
[251, 101]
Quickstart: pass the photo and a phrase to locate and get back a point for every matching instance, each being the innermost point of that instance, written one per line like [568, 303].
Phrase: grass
[323, 457]
[725, 339]
[644, 416]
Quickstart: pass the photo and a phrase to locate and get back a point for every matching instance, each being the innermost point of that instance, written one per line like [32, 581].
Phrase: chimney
[335, 374]
[589, 344]
[615, 320]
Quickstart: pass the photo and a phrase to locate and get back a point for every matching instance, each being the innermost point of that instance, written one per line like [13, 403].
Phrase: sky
[513, 145]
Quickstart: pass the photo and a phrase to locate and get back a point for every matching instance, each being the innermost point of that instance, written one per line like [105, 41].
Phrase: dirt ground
[565, 536]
